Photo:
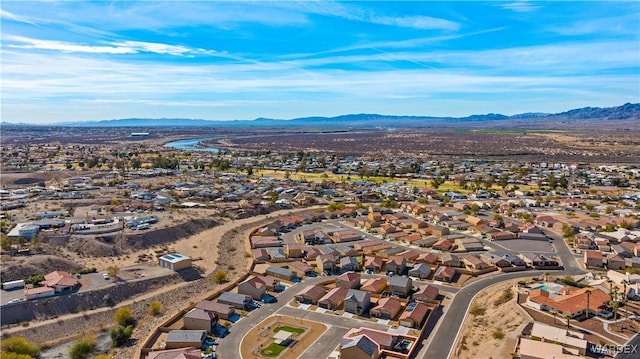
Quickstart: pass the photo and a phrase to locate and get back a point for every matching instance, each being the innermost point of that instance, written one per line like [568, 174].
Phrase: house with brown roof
[374, 285]
[326, 263]
[221, 310]
[427, 258]
[300, 268]
[294, 250]
[450, 260]
[386, 308]
[494, 260]
[396, 264]
[474, 263]
[426, 293]
[444, 274]
[333, 299]
[442, 245]
[616, 262]
[311, 294]
[198, 318]
[260, 255]
[593, 259]
[348, 280]
[253, 287]
[349, 264]
[414, 315]
[373, 264]
[264, 242]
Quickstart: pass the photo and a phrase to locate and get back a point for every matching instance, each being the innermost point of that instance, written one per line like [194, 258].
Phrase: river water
[191, 144]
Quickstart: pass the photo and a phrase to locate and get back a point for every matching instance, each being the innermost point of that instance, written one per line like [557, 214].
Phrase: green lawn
[272, 350]
[289, 329]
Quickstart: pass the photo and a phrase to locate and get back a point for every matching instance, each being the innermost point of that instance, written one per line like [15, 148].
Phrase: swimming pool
[543, 287]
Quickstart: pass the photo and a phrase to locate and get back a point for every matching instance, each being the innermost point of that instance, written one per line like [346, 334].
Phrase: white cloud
[122, 47]
[349, 11]
[520, 6]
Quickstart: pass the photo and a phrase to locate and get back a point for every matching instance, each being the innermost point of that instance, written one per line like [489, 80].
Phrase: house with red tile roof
[616, 262]
[349, 280]
[374, 285]
[426, 293]
[427, 258]
[311, 294]
[396, 264]
[254, 287]
[60, 281]
[387, 308]
[444, 274]
[569, 301]
[593, 259]
[333, 299]
[373, 264]
[414, 315]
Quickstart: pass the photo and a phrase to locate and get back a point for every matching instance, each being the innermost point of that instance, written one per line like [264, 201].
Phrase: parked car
[106, 276]
[15, 300]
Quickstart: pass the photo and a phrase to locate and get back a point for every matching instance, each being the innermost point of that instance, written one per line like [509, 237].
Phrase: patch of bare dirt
[492, 325]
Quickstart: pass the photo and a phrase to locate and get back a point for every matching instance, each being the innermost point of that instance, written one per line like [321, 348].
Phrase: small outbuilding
[175, 261]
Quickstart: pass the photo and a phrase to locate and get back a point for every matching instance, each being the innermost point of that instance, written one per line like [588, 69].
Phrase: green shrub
[19, 345]
[498, 334]
[155, 308]
[123, 316]
[477, 310]
[506, 296]
[120, 335]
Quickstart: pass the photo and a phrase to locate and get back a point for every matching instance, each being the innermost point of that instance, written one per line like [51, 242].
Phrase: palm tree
[568, 318]
[555, 314]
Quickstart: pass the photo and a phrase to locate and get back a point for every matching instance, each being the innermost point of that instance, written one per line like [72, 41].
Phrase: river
[192, 144]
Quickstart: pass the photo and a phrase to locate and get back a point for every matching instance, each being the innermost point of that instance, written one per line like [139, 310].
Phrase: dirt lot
[480, 336]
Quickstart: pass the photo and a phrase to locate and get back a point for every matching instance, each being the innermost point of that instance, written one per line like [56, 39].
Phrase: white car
[106, 276]
[15, 300]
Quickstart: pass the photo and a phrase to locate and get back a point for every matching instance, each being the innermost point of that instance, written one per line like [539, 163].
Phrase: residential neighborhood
[390, 252]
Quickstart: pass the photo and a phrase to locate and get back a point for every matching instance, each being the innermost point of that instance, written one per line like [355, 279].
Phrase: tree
[113, 271]
[155, 308]
[120, 335]
[567, 230]
[123, 316]
[19, 345]
[220, 276]
[82, 348]
[437, 181]
[568, 318]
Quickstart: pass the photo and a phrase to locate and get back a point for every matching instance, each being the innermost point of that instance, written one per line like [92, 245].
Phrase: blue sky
[225, 60]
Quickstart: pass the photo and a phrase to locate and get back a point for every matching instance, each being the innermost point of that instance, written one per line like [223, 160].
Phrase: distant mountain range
[582, 117]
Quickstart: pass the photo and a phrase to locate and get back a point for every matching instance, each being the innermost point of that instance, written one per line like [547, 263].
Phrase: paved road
[443, 340]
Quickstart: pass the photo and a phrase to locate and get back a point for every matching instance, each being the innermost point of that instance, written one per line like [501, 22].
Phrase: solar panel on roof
[177, 255]
[168, 256]
[410, 307]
